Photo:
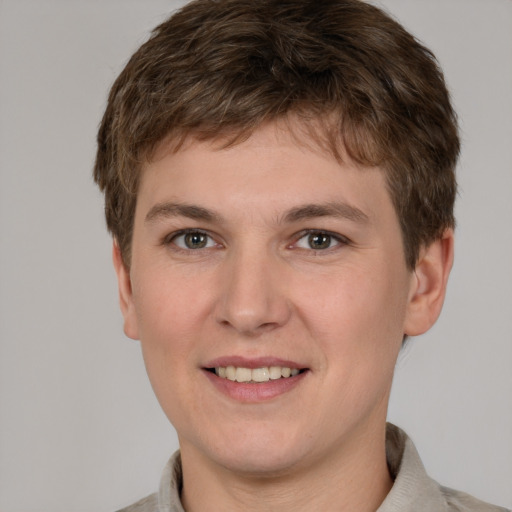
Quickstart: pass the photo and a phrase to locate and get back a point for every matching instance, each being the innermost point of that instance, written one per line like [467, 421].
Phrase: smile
[256, 375]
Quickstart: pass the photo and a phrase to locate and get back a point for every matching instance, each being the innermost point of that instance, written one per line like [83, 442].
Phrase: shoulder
[147, 504]
[167, 499]
[413, 489]
[458, 501]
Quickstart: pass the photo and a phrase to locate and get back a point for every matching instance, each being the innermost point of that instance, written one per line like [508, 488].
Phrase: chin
[260, 463]
[256, 452]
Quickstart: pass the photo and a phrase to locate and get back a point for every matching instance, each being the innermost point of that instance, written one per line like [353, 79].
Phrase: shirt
[413, 490]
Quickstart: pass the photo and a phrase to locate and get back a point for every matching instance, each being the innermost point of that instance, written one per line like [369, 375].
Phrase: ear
[125, 294]
[428, 286]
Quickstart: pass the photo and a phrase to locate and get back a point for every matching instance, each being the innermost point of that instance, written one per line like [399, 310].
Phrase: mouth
[254, 380]
[255, 375]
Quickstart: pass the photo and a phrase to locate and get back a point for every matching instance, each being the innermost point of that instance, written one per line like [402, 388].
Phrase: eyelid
[340, 239]
[170, 238]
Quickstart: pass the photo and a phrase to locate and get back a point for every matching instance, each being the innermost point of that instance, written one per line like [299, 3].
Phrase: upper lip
[252, 362]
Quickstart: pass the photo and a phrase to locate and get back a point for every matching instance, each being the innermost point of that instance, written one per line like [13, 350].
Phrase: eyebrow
[167, 210]
[302, 212]
[332, 209]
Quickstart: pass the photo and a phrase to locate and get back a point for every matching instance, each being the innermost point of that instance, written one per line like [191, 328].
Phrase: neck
[355, 478]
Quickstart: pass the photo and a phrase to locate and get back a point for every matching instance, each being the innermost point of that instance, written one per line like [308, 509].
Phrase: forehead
[319, 134]
[274, 175]
[266, 158]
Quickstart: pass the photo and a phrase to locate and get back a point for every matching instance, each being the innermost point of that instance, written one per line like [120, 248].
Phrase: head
[279, 182]
[354, 80]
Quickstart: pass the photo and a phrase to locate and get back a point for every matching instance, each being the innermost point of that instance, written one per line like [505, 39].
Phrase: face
[269, 289]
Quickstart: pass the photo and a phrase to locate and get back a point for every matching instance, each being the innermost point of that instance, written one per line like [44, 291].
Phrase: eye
[192, 240]
[319, 241]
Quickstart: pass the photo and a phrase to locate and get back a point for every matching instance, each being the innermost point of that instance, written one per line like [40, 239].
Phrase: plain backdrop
[80, 429]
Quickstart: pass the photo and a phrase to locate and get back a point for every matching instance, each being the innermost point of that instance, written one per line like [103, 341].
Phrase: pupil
[319, 241]
[195, 240]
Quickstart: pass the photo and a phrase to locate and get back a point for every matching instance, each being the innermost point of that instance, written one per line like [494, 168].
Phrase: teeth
[230, 372]
[239, 374]
[275, 372]
[243, 375]
[260, 375]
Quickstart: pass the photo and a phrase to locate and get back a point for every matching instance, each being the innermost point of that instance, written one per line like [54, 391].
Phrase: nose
[252, 296]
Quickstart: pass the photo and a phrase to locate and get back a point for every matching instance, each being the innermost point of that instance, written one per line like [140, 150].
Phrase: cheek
[168, 305]
[168, 320]
[359, 319]
[168, 313]
[358, 299]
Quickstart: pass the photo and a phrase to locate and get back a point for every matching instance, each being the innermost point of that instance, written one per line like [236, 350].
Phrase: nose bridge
[252, 298]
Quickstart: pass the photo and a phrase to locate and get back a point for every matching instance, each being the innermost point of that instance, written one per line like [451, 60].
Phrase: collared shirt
[413, 490]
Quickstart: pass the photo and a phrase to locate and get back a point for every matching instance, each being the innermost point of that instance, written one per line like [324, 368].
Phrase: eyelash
[171, 239]
[339, 239]
[210, 241]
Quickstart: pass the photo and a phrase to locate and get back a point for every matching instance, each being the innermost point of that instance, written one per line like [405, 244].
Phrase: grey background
[80, 429]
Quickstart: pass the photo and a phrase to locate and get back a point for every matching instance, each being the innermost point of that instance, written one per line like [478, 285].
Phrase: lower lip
[254, 391]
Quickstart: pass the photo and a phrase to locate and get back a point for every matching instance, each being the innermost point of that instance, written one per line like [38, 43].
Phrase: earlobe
[428, 286]
[125, 293]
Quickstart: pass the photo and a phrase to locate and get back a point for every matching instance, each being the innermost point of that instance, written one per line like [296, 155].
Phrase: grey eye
[319, 241]
[193, 240]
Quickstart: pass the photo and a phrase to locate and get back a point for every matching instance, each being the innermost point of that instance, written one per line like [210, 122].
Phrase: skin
[257, 289]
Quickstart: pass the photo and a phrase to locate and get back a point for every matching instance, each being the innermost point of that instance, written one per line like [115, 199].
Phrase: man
[279, 182]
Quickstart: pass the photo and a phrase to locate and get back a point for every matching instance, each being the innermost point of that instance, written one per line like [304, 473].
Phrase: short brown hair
[219, 69]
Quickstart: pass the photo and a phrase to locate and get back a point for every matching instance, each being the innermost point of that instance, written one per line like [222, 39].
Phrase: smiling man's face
[270, 293]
